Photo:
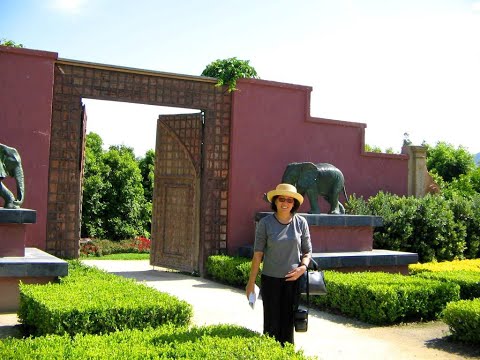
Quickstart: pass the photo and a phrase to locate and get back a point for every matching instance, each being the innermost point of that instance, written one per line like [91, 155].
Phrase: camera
[301, 320]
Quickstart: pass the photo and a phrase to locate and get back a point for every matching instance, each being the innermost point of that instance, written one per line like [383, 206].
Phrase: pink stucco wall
[272, 127]
[26, 91]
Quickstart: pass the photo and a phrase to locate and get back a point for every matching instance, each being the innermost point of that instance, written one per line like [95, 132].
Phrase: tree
[94, 188]
[448, 162]
[10, 43]
[124, 202]
[378, 149]
[114, 205]
[147, 166]
[228, 71]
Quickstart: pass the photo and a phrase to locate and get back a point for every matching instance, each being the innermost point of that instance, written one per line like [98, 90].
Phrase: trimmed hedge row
[465, 273]
[93, 301]
[383, 298]
[469, 281]
[230, 270]
[463, 265]
[373, 297]
[463, 320]
[166, 342]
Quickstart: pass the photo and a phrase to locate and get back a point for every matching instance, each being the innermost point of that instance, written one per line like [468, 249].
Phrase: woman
[282, 239]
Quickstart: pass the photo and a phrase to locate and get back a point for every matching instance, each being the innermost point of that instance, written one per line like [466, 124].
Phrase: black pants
[280, 300]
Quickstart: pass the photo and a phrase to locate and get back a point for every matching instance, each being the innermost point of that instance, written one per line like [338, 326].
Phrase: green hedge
[458, 265]
[463, 320]
[93, 301]
[373, 297]
[382, 298]
[166, 342]
[469, 281]
[230, 270]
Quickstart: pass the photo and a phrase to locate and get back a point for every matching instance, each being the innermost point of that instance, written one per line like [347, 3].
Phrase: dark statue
[11, 165]
[315, 180]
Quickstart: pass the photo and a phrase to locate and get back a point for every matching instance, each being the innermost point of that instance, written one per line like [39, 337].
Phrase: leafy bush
[10, 43]
[469, 281]
[467, 211]
[448, 162]
[436, 233]
[455, 265]
[96, 247]
[230, 270]
[166, 342]
[434, 227]
[382, 298]
[398, 215]
[228, 71]
[463, 320]
[98, 302]
[357, 206]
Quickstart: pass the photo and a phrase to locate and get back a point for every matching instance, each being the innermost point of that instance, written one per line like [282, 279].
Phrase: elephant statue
[11, 165]
[313, 180]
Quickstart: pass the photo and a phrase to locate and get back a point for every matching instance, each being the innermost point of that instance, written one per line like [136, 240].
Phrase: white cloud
[69, 6]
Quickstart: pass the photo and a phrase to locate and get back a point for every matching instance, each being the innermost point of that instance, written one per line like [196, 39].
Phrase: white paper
[252, 297]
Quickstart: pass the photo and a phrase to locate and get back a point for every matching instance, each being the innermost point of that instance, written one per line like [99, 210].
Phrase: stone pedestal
[345, 243]
[337, 233]
[13, 224]
[17, 263]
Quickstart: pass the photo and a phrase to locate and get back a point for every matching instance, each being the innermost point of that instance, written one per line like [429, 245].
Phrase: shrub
[166, 342]
[231, 270]
[228, 71]
[97, 247]
[469, 281]
[436, 234]
[471, 219]
[357, 206]
[454, 265]
[98, 302]
[398, 215]
[463, 320]
[374, 297]
[432, 226]
[382, 298]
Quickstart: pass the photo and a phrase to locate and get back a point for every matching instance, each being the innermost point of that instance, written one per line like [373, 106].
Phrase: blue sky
[400, 66]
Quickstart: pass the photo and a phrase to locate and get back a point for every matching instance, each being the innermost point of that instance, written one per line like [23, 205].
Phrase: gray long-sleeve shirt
[282, 244]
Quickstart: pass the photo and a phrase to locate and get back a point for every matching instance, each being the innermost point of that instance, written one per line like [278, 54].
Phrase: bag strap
[314, 266]
[308, 291]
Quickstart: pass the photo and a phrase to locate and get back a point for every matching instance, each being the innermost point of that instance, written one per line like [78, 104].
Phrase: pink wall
[272, 127]
[26, 90]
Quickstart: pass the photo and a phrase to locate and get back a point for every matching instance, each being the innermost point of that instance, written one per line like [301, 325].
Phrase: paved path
[328, 337]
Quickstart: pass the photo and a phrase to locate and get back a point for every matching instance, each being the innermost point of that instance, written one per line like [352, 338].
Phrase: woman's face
[284, 203]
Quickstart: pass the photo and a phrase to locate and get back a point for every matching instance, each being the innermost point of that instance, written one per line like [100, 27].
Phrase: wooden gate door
[176, 194]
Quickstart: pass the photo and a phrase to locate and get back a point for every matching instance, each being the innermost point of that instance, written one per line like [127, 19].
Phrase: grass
[123, 256]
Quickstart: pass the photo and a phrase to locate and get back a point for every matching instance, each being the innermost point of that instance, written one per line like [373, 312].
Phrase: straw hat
[285, 190]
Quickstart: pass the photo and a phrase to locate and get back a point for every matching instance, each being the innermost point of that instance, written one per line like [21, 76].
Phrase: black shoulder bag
[311, 282]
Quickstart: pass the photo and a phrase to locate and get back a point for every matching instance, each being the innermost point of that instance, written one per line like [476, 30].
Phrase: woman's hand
[250, 288]
[294, 274]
